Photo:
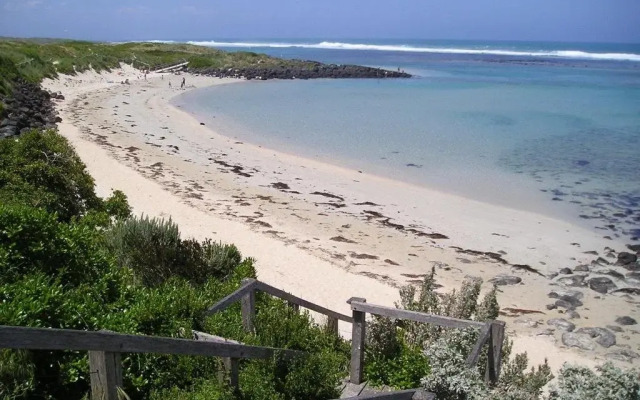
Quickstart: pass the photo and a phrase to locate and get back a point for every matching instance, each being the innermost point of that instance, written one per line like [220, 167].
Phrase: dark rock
[622, 355]
[625, 258]
[565, 271]
[610, 272]
[580, 340]
[572, 314]
[562, 324]
[603, 337]
[601, 284]
[551, 306]
[582, 268]
[559, 293]
[634, 247]
[58, 119]
[573, 280]
[627, 290]
[614, 328]
[502, 280]
[626, 320]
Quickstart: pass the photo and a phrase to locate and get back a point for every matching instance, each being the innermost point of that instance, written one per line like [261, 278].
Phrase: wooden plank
[485, 333]
[248, 308]
[391, 312]
[232, 372]
[246, 286]
[332, 325]
[358, 332]
[106, 375]
[301, 302]
[207, 337]
[409, 394]
[14, 337]
[494, 360]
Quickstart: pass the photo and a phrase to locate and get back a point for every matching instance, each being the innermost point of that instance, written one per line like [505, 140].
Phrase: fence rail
[246, 295]
[492, 332]
[105, 348]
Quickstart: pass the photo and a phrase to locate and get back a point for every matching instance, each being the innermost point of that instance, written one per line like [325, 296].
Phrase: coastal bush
[148, 246]
[153, 249]
[443, 352]
[609, 382]
[32, 240]
[41, 169]
[117, 205]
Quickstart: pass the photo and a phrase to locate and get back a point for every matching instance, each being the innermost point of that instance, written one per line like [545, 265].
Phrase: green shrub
[33, 240]
[148, 246]
[576, 382]
[41, 169]
[117, 205]
[153, 249]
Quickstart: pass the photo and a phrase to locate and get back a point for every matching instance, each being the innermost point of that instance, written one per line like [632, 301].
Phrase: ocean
[552, 128]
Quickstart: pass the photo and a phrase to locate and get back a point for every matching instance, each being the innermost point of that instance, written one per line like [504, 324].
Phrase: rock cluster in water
[28, 107]
[318, 70]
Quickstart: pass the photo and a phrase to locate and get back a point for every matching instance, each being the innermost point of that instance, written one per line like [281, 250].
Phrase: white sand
[169, 164]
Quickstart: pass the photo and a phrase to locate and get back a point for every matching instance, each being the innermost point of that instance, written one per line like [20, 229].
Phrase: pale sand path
[168, 164]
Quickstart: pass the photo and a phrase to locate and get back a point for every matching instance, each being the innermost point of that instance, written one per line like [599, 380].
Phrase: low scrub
[154, 250]
[40, 169]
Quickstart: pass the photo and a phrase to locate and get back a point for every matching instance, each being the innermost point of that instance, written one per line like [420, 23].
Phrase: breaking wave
[568, 54]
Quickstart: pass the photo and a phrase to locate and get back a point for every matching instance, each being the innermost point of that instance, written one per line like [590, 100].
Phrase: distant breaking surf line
[571, 54]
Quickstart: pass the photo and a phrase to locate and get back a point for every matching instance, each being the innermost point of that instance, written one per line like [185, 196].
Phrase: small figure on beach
[182, 84]
[169, 84]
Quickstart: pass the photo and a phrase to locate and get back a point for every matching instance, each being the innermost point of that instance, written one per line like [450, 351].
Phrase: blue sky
[553, 20]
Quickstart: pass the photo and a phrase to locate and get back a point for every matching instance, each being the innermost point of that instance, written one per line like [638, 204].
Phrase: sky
[528, 20]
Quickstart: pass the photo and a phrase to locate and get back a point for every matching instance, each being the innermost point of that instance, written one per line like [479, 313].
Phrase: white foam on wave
[571, 54]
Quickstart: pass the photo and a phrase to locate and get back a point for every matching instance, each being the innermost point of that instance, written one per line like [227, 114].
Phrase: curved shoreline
[318, 230]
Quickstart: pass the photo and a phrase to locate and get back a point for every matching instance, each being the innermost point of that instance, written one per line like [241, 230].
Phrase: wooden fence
[246, 294]
[105, 347]
[491, 332]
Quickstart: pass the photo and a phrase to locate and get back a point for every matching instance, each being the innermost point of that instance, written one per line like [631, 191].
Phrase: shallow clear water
[527, 131]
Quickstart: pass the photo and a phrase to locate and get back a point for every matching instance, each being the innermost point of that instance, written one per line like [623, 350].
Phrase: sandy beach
[327, 233]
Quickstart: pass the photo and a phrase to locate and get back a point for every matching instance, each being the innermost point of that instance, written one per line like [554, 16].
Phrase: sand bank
[323, 232]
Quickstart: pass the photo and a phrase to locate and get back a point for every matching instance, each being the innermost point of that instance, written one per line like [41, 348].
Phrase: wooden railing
[491, 332]
[105, 348]
[246, 294]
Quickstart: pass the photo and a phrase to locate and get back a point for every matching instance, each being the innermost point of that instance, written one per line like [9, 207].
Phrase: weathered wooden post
[106, 375]
[232, 372]
[357, 342]
[248, 308]
[294, 307]
[332, 325]
[494, 359]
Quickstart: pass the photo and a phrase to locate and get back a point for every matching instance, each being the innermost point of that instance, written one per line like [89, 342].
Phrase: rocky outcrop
[28, 107]
[313, 70]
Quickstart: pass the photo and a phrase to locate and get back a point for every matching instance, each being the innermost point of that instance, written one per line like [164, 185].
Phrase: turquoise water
[509, 123]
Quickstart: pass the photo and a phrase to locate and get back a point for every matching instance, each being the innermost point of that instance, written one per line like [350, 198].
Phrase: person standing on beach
[183, 83]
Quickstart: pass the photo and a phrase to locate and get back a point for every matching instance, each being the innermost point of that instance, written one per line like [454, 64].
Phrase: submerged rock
[625, 258]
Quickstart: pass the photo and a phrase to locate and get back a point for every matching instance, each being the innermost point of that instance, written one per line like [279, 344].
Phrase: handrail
[399, 313]
[492, 332]
[246, 294]
[301, 302]
[17, 337]
[247, 286]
